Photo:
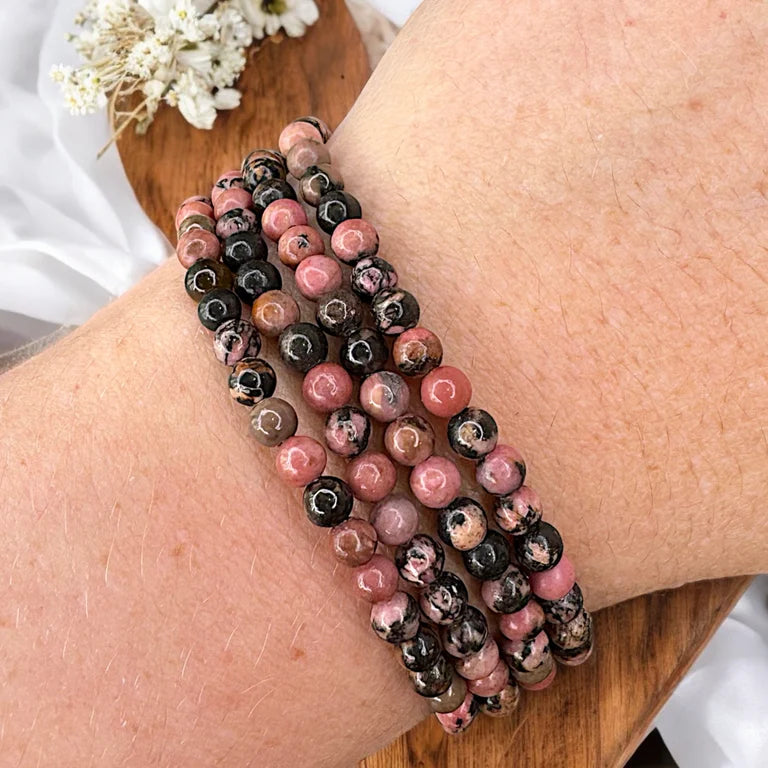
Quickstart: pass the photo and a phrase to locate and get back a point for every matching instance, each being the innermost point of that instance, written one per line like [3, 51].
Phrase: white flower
[195, 100]
[227, 98]
[82, 89]
[197, 57]
[267, 17]
[233, 28]
[227, 65]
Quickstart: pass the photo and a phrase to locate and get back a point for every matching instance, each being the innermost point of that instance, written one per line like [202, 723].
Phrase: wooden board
[594, 716]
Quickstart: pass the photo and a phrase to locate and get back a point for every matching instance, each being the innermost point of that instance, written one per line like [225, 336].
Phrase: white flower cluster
[138, 54]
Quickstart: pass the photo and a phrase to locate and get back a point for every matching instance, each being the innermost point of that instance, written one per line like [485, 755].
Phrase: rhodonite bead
[409, 440]
[518, 512]
[572, 657]
[237, 220]
[234, 340]
[384, 396]
[528, 680]
[467, 634]
[334, 207]
[273, 312]
[480, 664]
[317, 182]
[564, 609]
[328, 501]
[523, 624]
[508, 593]
[195, 221]
[326, 387]
[261, 165]
[501, 471]
[417, 351]
[452, 698]
[494, 682]
[196, 244]
[297, 243]
[433, 680]
[228, 180]
[252, 380]
[303, 346]
[363, 352]
[554, 583]
[395, 310]
[462, 524]
[489, 559]
[347, 431]
[353, 542]
[280, 216]
[395, 519]
[230, 199]
[371, 275]
[502, 704]
[461, 717]
[573, 635]
[300, 460]
[304, 154]
[539, 549]
[435, 482]
[339, 312]
[422, 650]
[420, 560]
[445, 599]
[317, 275]
[527, 655]
[302, 128]
[205, 275]
[272, 421]
[192, 205]
[255, 278]
[270, 190]
[473, 433]
[243, 247]
[445, 391]
[397, 619]
[354, 239]
[218, 307]
[372, 476]
[376, 580]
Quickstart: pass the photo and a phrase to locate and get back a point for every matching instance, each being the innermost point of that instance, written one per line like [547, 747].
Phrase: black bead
[489, 559]
[435, 679]
[303, 346]
[252, 380]
[473, 433]
[422, 650]
[335, 207]
[513, 592]
[262, 165]
[395, 311]
[466, 635]
[364, 352]
[320, 181]
[354, 424]
[243, 247]
[218, 306]
[243, 220]
[447, 597]
[540, 549]
[270, 190]
[328, 501]
[205, 275]
[256, 277]
[566, 608]
[339, 312]
[371, 275]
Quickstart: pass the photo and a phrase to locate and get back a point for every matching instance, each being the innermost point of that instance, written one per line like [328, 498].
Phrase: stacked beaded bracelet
[227, 225]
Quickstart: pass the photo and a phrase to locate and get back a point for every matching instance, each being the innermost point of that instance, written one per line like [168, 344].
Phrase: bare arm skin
[576, 193]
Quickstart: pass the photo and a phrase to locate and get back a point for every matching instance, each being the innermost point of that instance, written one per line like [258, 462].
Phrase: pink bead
[480, 664]
[304, 154]
[554, 583]
[354, 239]
[435, 482]
[197, 244]
[298, 130]
[523, 624]
[395, 519]
[493, 683]
[545, 683]
[300, 460]
[327, 387]
[461, 717]
[236, 197]
[297, 243]
[317, 275]
[501, 471]
[384, 396]
[372, 476]
[409, 440]
[353, 542]
[228, 180]
[445, 391]
[376, 580]
[192, 205]
[279, 216]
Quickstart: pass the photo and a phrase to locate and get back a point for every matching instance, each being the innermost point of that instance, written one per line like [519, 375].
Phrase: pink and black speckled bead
[433, 680]
[462, 524]
[461, 717]
[371, 275]
[467, 634]
[298, 243]
[493, 683]
[472, 433]
[243, 247]
[539, 549]
[556, 582]
[347, 431]
[395, 518]
[445, 599]
[420, 560]
[228, 180]
[339, 312]
[302, 128]
[395, 310]
[354, 239]
[195, 221]
[480, 664]
[508, 593]
[501, 471]
[372, 476]
[384, 396]
[518, 512]
[489, 559]
[530, 682]
[280, 216]
[354, 542]
[237, 220]
[266, 192]
[235, 340]
[573, 657]
[252, 379]
[193, 205]
[566, 608]
[409, 440]
[230, 199]
[523, 624]
[503, 703]
[261, 165]
[571, 636]
[417, 351]
[527, 655]
[422, 651]
[435, 482]
[397, 619]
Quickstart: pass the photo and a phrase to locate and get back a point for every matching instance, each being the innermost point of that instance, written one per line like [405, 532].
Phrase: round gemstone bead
[566, 608]
[255, 278]
[376, 580]
[232, 198]
[364, 352]
[472, 433]
[218, 307]
[527, 655]
[300, 460]
[489, 559]
[372, 476]
[539, 549]
[371, 275]
[422, 650]
[467, 634]
[334, 207]
[273, 312]
[409, 440]
[326, 387]
[445, 391]
[384, 396]
[556, 582]
[508, 593]
[462, 524]
[354, 239]
[417, 351]
[501, 471]
[574, 656]
[191, 206]
[339, 312]
[302, 128]
[197, 244]
[243, 247]
[504, 703]
[303, 346]
[435, 482]
[452, 698]
[574, 634]
[397, 619]
[420, 560]
[304, 154]
[522, 624]
[261, 165]
[280, 215]
[237, 220]
[328, 501]
[195, 221]
[205, 275]
[234, 340]
[317, 182]
[270, 190]
[435, 679]
[395, 519]
[272, 421]
[492, 683]
[228, 180]
[347, 431]
[298, 243]
[252, 380]
[526, 678]
[317, 275]
[480, 664]
[395, 310]
[461, 717]
[445, 599]
[518, 512]
[353, 542]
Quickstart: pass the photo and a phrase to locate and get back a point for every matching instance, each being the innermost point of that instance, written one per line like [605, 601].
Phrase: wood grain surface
[593, 716]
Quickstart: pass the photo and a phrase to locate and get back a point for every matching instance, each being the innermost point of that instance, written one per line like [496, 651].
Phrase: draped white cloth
[72, 236]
